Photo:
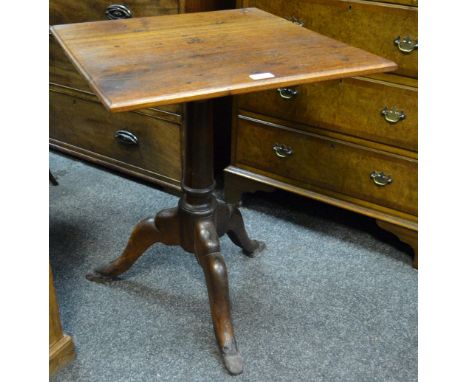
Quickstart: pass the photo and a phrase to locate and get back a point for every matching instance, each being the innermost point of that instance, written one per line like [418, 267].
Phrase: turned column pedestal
[195, 225]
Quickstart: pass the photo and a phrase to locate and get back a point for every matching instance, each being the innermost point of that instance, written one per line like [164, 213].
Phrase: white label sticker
[261, 76]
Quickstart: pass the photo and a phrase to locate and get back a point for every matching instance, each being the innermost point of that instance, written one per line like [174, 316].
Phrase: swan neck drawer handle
[118, 11]
[287, 93]
[126, 137]
[297, 21]
[393, 115]
[406, 44]
[380, 179]
[282, 151]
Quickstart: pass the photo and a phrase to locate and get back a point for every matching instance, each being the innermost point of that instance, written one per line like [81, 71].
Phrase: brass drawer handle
[297, 21]
[288, 93]
[406, 44]
[282, 151]
[126, 137]
[380, 179]
[393, 115]
[118, 11]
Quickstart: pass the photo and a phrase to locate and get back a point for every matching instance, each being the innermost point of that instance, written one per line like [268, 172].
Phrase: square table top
[143, 62]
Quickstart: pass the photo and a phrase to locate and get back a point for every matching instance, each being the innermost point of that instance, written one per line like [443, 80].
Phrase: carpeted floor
[330, 299]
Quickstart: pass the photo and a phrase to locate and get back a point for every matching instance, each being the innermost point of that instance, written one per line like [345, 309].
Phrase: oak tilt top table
[138, 63]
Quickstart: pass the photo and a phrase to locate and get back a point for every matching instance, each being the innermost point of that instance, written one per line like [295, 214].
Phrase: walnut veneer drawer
[329, 164]
[86, 125]
[368, 25]
[65, 11]
[366, 108]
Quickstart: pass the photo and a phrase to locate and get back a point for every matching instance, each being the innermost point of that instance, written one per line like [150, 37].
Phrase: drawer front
[364, 24]
[365, 108]
[89, 126]
[61, 70]
[370, 175]
[65, 11]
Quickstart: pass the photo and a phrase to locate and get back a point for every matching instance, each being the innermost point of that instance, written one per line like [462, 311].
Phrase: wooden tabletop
[143, 62]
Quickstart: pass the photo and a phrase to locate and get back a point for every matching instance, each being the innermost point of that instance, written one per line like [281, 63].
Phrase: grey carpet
[327, 300]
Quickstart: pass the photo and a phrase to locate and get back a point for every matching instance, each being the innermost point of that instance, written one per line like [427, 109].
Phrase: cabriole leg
[209, 257]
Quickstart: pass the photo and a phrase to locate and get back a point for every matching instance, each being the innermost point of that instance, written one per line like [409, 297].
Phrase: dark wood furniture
[353, 142]
[193, 58]
[145, 143]
[61, 348]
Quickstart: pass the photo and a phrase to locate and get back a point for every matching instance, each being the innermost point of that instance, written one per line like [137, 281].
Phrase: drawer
[329, 164]
[62, 72]
[360, 107]
[65, 11]
[368, 25]
[87, 125]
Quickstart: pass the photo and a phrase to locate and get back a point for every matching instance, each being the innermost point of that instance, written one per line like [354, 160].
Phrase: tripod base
[197, 231]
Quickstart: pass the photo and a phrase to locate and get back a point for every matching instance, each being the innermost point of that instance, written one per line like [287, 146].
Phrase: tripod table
[192, 58]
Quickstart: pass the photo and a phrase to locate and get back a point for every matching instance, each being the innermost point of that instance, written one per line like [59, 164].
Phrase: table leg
[209, 257]
[196, 225]
[52, 179]
[144, 235]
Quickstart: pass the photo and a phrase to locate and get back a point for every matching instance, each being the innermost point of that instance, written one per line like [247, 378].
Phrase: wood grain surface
[328, 163]
[143, 62]
[159, 142]
[369, 25]
[66, 11]
[351, 106]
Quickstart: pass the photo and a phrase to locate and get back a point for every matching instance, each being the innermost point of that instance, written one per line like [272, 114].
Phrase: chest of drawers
[351, 143]
[145, 144]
